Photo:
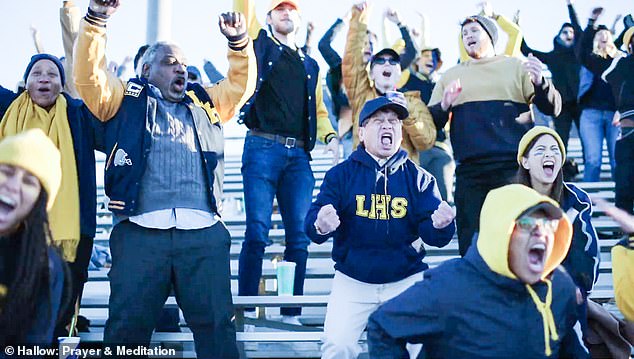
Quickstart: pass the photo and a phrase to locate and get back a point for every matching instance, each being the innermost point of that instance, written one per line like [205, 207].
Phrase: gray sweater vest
[174, 176]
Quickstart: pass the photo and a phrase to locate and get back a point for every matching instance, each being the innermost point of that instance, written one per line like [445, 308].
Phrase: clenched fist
[443, 216]
[105, 7]
[327, 219]
[232, 24]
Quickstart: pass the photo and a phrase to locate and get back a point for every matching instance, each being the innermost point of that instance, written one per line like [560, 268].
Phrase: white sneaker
[291, 319]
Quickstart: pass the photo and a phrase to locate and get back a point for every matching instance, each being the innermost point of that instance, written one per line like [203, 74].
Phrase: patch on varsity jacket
[133, 89]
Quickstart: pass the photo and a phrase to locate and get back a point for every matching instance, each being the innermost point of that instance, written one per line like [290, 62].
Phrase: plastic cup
[67, 345]
[285, 278]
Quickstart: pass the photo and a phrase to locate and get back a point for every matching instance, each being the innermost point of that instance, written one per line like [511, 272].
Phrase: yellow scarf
[550, 329]
[24, 114]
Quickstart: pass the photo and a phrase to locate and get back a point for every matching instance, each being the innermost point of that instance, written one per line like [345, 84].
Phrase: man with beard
[379, 207]
[162, 137]
[419, 132]
[564, 67]
[485, 97]
[285, 116]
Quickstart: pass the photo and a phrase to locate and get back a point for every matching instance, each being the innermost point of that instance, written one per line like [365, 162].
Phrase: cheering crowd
[530, 253]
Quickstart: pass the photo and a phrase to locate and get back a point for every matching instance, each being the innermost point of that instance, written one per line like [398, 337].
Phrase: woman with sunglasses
[31, 271]
[540, 155]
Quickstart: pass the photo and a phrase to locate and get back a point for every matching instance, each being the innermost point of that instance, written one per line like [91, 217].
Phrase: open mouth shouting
[549, 167]
[179, 84]
[7, 205]
[537, 257]
[386, 139]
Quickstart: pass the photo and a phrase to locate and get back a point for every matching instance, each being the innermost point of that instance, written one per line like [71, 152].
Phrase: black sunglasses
[383, 60]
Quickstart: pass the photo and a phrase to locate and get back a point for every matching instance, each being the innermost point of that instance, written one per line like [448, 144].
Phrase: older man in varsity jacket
[162, 138]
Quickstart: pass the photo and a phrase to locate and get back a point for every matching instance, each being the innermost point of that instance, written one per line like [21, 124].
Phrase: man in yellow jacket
[419, 132]
[164, 141]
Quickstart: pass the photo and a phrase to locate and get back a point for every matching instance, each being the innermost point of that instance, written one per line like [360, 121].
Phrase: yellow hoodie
[501, 208]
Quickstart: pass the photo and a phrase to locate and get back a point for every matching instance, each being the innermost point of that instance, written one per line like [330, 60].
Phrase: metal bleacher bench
[319, 270]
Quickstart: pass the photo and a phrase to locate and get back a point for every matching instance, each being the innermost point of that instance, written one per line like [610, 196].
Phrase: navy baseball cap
[392, 100]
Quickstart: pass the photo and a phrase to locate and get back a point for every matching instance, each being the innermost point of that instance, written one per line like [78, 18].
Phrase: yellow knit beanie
[534, 133]
[33, 151]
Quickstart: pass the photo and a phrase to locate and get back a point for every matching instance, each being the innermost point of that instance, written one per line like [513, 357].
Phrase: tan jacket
[102, 91]
[419, 132]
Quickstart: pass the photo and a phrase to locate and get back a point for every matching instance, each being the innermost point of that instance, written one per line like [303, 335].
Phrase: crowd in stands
[406, 125]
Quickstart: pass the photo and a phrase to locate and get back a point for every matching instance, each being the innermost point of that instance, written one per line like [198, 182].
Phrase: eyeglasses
[530, 223]
[383, 60]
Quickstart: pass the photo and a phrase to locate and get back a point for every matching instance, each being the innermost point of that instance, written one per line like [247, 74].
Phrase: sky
[195, 29]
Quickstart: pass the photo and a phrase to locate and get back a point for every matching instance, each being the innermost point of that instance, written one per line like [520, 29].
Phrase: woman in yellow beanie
[31, 270]
[540, 155]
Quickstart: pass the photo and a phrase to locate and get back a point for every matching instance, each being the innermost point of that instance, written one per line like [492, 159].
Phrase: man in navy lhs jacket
[379, 206]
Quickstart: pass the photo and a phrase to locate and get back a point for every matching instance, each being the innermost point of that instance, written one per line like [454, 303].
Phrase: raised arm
[584, 48]
[101, 90]
[409, 53]
[514, 35]
[231, 93]
[325, 45]
[355, 76]
[37, 40]
[574, 19]
[247, 8]
[69, 17]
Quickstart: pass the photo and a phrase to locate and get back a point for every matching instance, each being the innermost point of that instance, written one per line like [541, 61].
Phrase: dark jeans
[624, 173]
[563, 123]
[473, 183]
[78, 276]
[269, 170]
[441, 165]
[147, 263]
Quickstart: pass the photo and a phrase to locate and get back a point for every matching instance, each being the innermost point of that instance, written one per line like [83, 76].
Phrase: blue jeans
[346, 142]
[269, 170]
[595, 126]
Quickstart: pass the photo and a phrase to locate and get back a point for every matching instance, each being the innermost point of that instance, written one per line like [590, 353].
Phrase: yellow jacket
[419, 132]
[623, 278]
[102, 91]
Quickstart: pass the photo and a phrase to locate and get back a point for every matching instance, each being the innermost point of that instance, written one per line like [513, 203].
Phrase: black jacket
[562, 62]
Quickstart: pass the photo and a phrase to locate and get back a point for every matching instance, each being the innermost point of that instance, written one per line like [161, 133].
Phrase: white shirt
[179, 218]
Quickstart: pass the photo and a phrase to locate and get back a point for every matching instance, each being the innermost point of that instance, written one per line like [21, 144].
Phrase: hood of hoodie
[501, 208]
[558, 46]
[392, 165]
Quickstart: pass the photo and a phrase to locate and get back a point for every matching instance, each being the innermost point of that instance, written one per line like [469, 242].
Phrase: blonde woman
[596, 53]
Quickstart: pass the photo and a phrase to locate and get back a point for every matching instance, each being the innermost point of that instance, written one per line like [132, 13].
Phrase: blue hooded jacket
[383, 210]
[582, 262]
[476, 307]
